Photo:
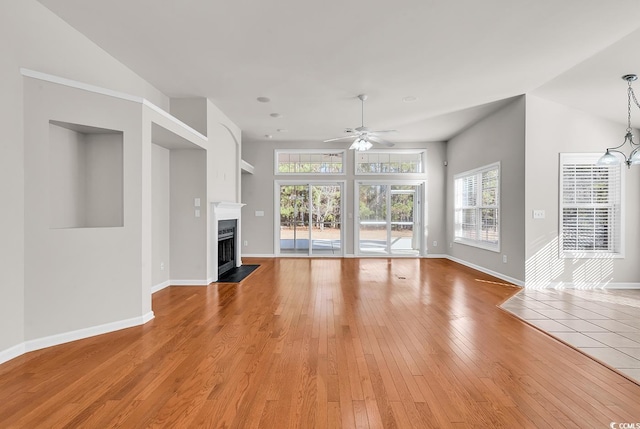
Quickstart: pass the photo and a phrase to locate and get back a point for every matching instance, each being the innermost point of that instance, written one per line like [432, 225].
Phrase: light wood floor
[316, 343]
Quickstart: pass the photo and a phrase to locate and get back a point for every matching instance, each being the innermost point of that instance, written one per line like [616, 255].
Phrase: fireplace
[226, 245]
[224, 251]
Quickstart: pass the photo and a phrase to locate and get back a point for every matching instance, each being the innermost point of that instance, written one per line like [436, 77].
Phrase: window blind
[591, 207]
[477, 207]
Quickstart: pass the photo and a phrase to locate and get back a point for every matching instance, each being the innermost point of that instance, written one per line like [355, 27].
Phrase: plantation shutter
[477, 204]
[591, 209]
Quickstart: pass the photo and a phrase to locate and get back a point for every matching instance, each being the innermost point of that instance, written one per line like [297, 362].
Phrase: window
[309, 162]
[477, 207]
[590, 207]
[390, 162]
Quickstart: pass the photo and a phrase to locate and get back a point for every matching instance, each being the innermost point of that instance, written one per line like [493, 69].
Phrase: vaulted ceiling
[459, 59]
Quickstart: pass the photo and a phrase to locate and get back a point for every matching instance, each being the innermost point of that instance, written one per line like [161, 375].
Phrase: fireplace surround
[223, 215]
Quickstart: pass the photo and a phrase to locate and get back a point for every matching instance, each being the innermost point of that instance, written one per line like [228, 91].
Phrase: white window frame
[276, 219]
[482, 244]
[421, 152]
[342, 153]
[616, 240]
[418, 222]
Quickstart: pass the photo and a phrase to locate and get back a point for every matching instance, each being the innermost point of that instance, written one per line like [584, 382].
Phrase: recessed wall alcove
[85, 176]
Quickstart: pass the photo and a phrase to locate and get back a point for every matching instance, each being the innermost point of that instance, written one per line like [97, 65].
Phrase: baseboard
[12, 353]
[622, 286]
[66, 337]
[486, 271]
[581, 286]
[189, 282]
[160, 286]
[437, 256]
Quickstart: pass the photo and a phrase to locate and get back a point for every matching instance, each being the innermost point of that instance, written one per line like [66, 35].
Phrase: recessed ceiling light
[263, 99]
[282, 130]
[276, 115]
[268, 136]
[410, 99]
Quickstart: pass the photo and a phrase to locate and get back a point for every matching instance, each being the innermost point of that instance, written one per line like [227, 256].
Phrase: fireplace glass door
[310, 219]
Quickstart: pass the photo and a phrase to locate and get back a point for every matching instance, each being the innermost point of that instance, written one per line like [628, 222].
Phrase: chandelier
[634, 156]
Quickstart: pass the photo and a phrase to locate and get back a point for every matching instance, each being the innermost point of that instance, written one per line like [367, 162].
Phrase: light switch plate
[538, 214]
[259, 213]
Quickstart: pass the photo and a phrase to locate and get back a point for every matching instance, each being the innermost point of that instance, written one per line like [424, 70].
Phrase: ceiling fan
[363, 136]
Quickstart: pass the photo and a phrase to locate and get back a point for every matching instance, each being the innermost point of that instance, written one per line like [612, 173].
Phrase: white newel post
[224, 210]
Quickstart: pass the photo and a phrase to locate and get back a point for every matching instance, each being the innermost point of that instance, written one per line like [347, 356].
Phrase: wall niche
[85, 176]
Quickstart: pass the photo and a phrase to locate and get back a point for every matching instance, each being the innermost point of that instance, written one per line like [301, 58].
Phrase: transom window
[390, 162]
[477, 207]
[590, 207]
[309, 162]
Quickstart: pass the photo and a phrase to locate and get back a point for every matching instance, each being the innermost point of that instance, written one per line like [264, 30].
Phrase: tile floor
[602, 323]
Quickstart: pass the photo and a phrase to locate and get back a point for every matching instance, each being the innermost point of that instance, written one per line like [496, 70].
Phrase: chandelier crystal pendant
[609, 158]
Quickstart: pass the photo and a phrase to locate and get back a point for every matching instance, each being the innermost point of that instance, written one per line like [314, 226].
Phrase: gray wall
[64, 52]
[258, 192]
[552, 129]
[188, 233]
[80, 277]
[160, 207]
[499, 137]
[104, 179]
[67, 177]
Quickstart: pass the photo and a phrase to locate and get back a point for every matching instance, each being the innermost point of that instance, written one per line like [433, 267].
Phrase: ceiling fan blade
[338, 138]
[362, 133]
[381, 141]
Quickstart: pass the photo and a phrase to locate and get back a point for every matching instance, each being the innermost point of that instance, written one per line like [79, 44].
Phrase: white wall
[552, 129]
[258, 192]
[223, 156]
[499, 137]
[160, 221]
[33, 37]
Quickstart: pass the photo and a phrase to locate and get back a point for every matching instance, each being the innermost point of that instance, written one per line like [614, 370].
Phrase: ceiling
[460, 59]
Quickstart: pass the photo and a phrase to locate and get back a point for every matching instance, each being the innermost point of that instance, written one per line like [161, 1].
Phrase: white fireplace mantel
[223, 210]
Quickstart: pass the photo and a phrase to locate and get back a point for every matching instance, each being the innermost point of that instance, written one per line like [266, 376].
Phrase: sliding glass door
[310, 221]
[389, 218]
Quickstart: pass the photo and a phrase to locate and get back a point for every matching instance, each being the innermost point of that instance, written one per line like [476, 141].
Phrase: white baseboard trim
[437, 256]
[145, 318]
[160, 286]
[189, 282]
[622, 286]
[487, 271]
[581, 286]
[66, 337]
[12, 353]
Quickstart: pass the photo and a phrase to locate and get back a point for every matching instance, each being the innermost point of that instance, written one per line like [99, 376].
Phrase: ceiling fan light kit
[363, 136]
[609, 157]
[361, 145]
